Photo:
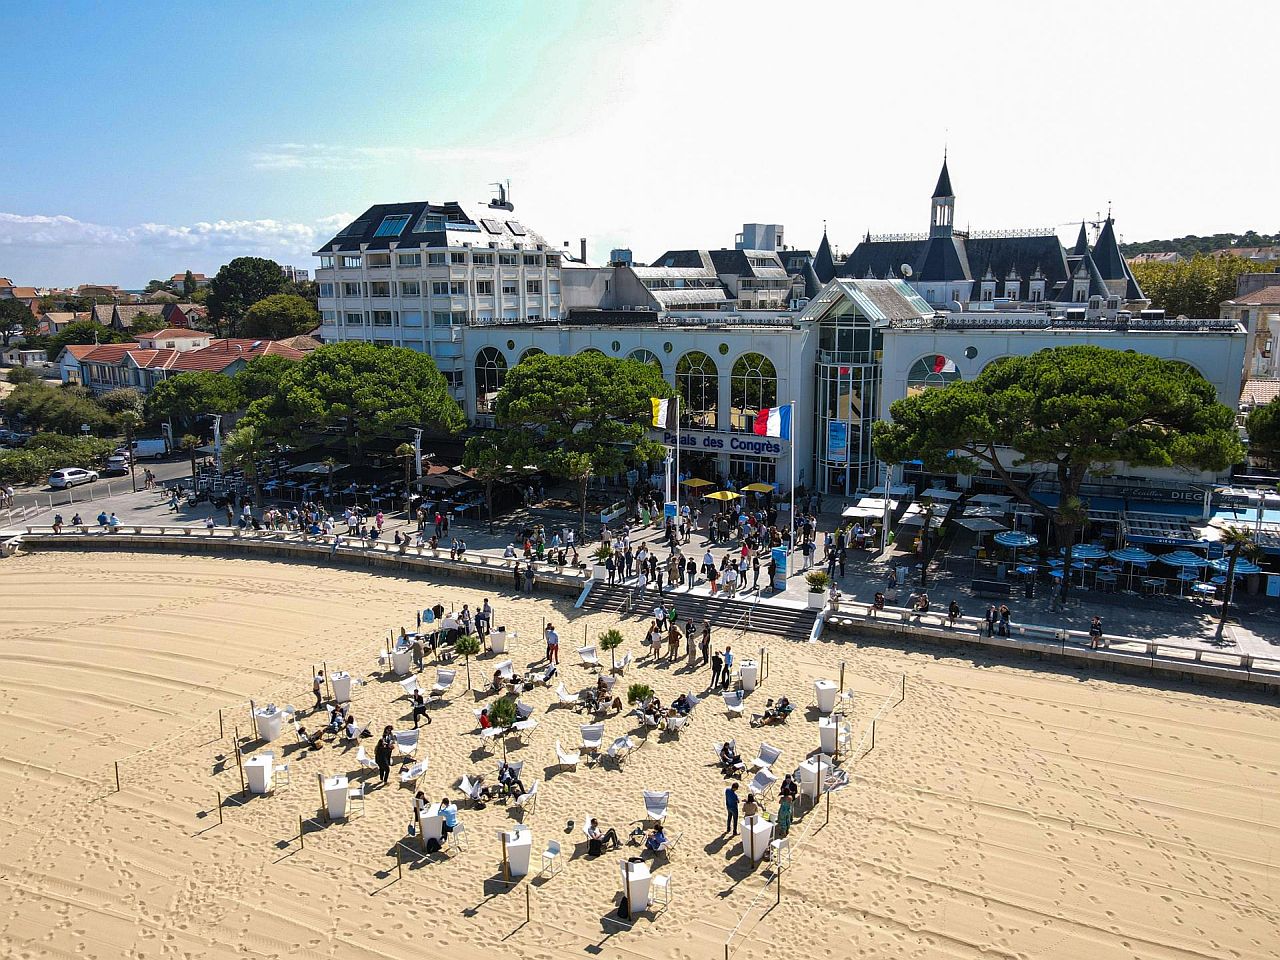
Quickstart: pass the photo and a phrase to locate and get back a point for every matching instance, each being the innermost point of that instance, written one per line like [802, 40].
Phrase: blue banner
[779, 555]
[838, 441]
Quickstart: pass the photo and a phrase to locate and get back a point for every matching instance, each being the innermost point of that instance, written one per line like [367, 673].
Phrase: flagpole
[792, 547]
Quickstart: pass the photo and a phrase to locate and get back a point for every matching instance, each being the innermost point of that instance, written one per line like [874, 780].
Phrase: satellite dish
[906, 270]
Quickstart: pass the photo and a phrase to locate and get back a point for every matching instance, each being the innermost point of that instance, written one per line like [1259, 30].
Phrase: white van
[148, 448]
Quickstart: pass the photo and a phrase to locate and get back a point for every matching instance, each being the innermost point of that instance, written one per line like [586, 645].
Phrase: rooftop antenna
[500, 202]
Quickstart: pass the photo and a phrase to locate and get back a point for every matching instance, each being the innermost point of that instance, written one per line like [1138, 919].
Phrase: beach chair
[457, 840]
[364, 761]
[523, 711]
[621, 748]
[528, 802]
[675, 725]
[660, 887]
[767, 757]
[406, 743]
[762, 783]
[667, 848]
[409, 775]
[522, 728]
[566, 698]
[355, 800]
[592, 735]
[550, 857]
[504, 669]
[411, 686]
[588, 658]
[608, 685]
[566, 759]
[514, 767]
[622, 664]
[733, 703]
[360, 732]
[655, 803]
[692, 700]
[470, 790]
[780, 853]
[444, 680]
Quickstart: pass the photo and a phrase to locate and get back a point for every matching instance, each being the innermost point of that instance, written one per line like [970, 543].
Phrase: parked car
[13, 438]
[71, 477]
[148, 448]
[117, 463]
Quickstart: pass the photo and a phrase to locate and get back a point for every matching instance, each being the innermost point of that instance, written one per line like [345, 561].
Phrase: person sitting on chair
[598, 837]
[508, 779]
[657, 840]
[352, 730]
[681, 705]
[784, 707]
[338, 719]
[729, 759]
[312, 740]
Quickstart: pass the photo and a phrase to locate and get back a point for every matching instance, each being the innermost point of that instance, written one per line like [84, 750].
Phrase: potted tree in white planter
[818, 583]
[601, 556]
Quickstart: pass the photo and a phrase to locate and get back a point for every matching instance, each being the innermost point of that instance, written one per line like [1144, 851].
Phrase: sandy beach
[1005, 811]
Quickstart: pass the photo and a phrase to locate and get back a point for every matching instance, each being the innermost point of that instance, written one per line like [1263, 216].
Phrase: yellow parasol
[759, 488]
[696, 482]
[723, 495]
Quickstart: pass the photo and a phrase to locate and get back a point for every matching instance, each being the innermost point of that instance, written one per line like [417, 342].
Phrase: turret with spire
[943, 204]
[824, 264]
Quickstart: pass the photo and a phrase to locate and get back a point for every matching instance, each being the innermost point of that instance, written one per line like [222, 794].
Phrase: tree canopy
[1263, 426]
[63, 410]
[147, 323]
[279, 316]
[581, 416]
[1196, 287]
[365, 391]
[15, 318]
[240, 284]
[1073, 410]
[188, 396]
[258, 377]
[83, 331]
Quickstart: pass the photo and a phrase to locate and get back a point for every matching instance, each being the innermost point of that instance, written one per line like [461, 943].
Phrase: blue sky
[146, 138]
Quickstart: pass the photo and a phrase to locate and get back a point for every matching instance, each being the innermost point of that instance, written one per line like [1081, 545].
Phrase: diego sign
[721, 442]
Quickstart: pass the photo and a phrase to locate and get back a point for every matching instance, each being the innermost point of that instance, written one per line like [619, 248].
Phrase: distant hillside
[1190, 245]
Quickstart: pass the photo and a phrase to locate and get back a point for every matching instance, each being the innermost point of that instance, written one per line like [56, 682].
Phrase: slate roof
[1082, 242]
[498, 227]
[823, 264]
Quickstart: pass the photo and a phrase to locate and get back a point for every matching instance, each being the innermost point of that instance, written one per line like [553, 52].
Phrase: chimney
[582, 246]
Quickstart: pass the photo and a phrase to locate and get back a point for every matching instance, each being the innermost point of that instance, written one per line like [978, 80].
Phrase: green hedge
[46, 452]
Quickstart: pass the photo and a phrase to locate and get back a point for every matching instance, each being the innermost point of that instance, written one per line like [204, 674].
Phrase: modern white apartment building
[415, 274]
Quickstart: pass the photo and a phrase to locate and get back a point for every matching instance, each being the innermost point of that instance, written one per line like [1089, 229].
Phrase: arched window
[491, 370]
[592, 350]
[753, 385]
[934, 370]
[646, 356]
[698, 382]
[531, 352]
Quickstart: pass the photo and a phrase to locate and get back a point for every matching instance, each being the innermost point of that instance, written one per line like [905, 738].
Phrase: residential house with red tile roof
[159, 355]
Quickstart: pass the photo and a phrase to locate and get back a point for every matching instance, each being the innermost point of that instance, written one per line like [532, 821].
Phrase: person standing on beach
[317, 687]
[727, 676]
[553, 644]
[717, 664]
[731, 808]
[382, 753]
[991, 619]
[517, 574]
[706, 642]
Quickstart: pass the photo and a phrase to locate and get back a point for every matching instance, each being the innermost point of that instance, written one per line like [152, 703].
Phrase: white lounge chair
[550, 857]
[655, 803]
[762, 783]
[355, 799]
[523, 711]
[589, 658]
[623, 663]
[471, 789]
[406, 743]
[767, 757]
[566, 759]
[505, 670]
[444, 680]
[621, 748]
[457, 839]
[364, 760]
[523, 728]
[733, 703]
[409, 775]
[592, 735]
[566, 698]
[676, 725]
[528, 801]
[411, 686]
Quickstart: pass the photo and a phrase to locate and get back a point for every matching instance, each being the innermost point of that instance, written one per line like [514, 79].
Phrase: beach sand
[1009, 809]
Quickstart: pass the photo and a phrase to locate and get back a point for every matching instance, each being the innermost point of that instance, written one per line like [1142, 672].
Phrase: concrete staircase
[725, 613]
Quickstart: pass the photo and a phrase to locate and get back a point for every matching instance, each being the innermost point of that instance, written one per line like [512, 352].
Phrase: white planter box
[599, 571]
[817, 600]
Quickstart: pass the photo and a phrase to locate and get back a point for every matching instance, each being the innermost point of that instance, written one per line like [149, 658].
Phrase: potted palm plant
[601, 557]
[610, 640]
[639, 693]
[818, 583]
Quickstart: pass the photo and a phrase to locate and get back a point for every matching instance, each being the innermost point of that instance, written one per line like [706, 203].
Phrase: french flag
[774, 422]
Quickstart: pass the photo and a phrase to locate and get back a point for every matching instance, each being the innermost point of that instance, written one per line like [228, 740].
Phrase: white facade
[718, 441]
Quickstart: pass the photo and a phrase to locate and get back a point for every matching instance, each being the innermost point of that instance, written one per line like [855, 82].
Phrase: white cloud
[329, 156]
[59, 231]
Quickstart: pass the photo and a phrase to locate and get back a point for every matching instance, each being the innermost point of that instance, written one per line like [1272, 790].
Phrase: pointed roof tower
[1082, 243]
[823, 263]
[1106, 254]
[943, 189]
